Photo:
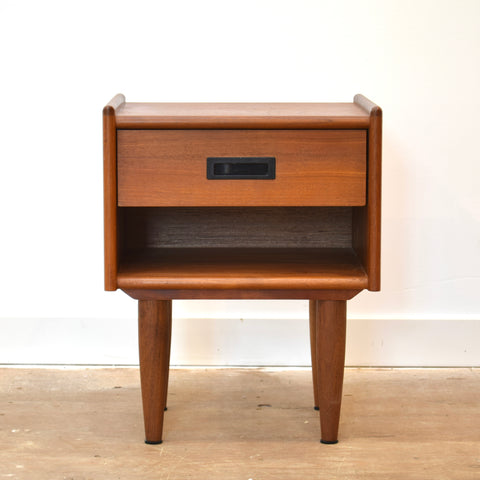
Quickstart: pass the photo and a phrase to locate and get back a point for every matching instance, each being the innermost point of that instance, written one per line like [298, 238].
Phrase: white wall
[61, 62]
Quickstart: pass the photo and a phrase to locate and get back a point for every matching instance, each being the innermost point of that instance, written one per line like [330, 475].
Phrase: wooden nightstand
[264, 201]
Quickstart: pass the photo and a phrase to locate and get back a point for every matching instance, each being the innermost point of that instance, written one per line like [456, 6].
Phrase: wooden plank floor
[239, 424]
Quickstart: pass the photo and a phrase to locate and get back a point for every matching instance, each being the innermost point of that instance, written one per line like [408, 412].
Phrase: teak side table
[242, 201]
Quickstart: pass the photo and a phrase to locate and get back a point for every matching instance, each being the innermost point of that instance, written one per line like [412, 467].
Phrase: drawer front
[312, 167]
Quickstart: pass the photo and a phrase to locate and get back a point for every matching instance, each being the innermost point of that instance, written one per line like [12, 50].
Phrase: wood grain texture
[110, 191]
[223, 227]
[331, 322]
[374, 199]
[240, 294]
[242, 115]
[250, 269]
[313, 232]
[367, 220]
[313, 167]
[398, 424]
[312, 316]
[154, 334]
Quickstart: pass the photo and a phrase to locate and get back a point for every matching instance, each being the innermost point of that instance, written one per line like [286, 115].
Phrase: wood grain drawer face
[313, 167]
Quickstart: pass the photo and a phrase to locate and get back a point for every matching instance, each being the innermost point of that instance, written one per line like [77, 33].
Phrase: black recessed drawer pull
[241, 168]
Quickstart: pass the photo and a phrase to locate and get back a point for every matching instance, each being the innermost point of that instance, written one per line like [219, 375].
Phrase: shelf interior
[238, 248]
[249, 268]
[235, 227]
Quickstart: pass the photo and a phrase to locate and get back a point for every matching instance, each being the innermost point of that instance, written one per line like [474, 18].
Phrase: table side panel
[366, 225]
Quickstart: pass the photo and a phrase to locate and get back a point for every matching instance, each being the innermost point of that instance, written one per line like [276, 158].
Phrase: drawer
[312, 167]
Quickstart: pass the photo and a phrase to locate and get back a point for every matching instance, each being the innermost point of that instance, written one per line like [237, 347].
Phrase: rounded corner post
[117, 101]
[375, 195]
[110, 190]
[367, 105]
[371, 215]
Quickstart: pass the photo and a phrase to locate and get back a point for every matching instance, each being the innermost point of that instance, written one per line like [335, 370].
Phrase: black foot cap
[165, 409]
[326, 442]
[316, 408]
[148, 442]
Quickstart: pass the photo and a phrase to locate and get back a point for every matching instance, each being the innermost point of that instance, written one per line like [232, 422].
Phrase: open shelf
[238, 248]
[242, 268]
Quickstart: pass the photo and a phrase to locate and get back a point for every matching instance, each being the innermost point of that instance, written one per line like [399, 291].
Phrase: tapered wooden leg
[313, 350]
[154, 332]
[330, 353]
[168, 357]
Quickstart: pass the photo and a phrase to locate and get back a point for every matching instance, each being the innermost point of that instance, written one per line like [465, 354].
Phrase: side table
[242, 201]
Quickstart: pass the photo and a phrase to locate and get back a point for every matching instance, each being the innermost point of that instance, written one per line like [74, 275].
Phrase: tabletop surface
[239, 115]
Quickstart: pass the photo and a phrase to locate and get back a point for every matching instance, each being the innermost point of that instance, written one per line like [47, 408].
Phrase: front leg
[154, 333]
[331, 316]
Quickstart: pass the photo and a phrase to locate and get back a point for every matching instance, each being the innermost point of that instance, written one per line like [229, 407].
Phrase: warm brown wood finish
[367, 220]
[235, 227]
[240, 294]
[110, 190]
[330, 333]
[313, 167]
[249, 269]
[154, 333]
[374, 199]
[312, 232]
[242, 115]
[313, 349]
